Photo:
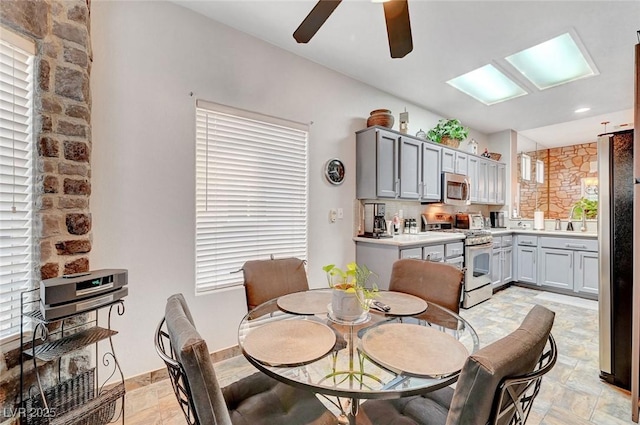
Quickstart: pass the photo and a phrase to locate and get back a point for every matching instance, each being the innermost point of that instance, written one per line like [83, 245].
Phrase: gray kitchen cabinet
[492, 179]
[379, 257]
[410, 168]
[415, 253]
[454, 161]
[570, 264]
[448, 160]
[483, 196]
[433, 253]
[501, 184]
[502, 261]
[556, 268]
[377, 173]
[527, 256]
[472, 174]
[586, 272]
[431, 172]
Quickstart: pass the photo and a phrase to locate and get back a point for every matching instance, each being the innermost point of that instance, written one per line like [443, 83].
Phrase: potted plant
[350, 290]
[448, 132]
[587, 207]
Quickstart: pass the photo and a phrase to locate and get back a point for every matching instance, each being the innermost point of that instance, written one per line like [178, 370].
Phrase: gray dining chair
[497, 384]
[438, 283]
[265, 280]
[254, 400]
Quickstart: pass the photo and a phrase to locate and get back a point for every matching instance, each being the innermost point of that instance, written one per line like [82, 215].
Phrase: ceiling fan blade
[314, 20]
[396, 14]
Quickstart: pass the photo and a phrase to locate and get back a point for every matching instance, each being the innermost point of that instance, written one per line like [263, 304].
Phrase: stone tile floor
[571, 394]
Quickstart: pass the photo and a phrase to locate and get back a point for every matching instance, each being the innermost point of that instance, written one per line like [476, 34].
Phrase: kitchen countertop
[424, 238]
[520, 231]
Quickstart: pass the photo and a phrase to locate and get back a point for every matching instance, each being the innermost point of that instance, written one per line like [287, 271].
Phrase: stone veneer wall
[565, 167]
[62, 128]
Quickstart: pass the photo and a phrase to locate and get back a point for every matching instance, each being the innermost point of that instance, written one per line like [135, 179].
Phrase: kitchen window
[251, 192]
[16, 177]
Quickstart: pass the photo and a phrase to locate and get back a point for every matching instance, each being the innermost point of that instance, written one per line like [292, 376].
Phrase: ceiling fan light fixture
[487, 85]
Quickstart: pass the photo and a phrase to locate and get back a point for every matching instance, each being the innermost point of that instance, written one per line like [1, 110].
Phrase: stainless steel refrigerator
[615, 237]
[635, 355]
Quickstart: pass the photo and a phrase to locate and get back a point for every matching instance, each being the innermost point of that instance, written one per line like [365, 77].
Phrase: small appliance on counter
[375, 225]
[497, 219]
[471, 221]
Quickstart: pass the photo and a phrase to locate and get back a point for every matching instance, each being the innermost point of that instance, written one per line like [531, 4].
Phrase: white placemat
[414, 349]
[306, 302]
[289, 342]
[402, 304]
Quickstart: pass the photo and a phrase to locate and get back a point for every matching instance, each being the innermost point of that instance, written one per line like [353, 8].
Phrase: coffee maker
[375, 225]
[497, 219]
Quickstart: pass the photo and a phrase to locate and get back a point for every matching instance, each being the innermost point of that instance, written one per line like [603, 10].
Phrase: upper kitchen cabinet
[454, 161]
[431, 172]
[391, 165]
[487, 180]
[410, 168]
[377, 174]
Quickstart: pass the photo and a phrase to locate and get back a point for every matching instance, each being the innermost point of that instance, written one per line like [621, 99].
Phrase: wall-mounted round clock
[334, 171]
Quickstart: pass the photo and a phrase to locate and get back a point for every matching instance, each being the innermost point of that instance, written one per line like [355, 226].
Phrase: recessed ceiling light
[581, 110]
[554, 62]
[488, 85]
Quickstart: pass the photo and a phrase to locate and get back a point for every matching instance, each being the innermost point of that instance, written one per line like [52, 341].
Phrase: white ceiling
[451, 38]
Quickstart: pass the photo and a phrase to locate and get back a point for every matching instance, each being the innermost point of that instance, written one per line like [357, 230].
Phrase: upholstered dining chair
[254, 400]
[265, 280]
[439, 283]
[497, 384]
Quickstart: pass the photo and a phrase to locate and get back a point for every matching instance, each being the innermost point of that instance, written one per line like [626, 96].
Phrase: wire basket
[495, 156]
[73, 402]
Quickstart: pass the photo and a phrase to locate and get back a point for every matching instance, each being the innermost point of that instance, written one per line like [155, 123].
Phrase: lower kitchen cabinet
[379, 257]
[586, 272]
[502, 261]
[527, 259]
[570, 264]
[556, 268]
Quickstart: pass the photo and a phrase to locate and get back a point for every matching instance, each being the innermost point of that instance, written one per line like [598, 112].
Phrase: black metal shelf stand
[84, 398]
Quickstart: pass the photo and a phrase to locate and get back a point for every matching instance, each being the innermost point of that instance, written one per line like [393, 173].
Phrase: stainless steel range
[477, 262]
[477, 259]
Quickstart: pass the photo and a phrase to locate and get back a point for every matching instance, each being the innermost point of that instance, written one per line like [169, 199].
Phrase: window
[16, 177]
[251, 192]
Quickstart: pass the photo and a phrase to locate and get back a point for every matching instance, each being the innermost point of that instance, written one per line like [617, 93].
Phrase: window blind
[16, 177]
[251, 192]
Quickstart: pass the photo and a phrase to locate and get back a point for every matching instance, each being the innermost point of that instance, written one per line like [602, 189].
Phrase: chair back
[515, 395]
[482, 393]
[191, 372]
[265, 280]
[439, 283]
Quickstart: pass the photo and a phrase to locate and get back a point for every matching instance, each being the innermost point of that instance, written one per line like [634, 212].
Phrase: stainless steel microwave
[455, 189]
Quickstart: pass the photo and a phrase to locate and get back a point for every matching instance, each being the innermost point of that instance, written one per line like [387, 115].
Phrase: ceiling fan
[396, 15]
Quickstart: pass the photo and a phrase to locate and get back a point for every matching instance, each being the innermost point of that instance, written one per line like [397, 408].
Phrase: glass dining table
[414, 348]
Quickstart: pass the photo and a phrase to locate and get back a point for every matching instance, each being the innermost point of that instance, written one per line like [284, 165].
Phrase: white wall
[148, 58]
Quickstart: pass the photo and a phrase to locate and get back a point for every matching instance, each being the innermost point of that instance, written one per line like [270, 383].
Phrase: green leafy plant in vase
[448, 132]
[352, 288]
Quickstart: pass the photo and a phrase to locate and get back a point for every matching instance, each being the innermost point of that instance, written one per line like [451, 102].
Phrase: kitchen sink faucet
[583, 226]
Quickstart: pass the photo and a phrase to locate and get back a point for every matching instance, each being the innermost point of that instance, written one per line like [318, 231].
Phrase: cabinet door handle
[575, 245]
[526, 243]
[397, 188]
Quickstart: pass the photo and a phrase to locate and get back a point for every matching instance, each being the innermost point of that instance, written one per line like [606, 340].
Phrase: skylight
[488, 85]
[553, 62]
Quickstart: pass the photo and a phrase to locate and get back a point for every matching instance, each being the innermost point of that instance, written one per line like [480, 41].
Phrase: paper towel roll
[538, 220]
